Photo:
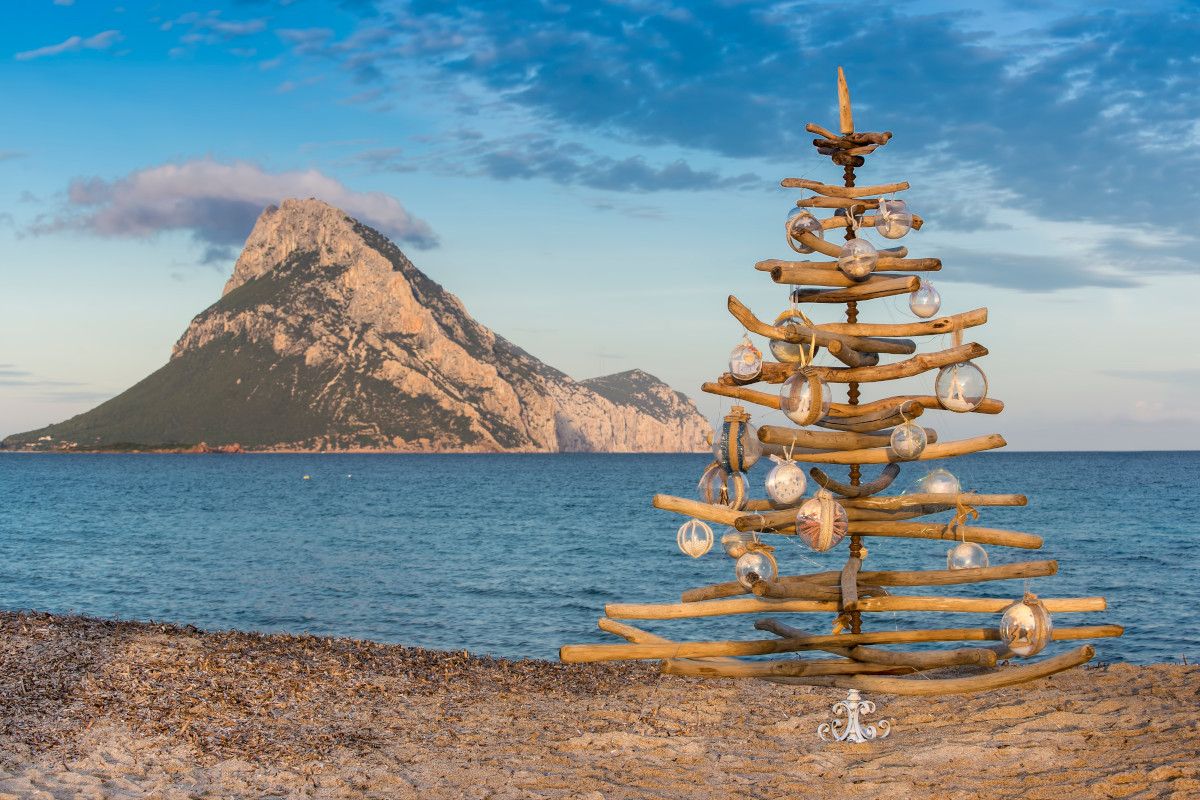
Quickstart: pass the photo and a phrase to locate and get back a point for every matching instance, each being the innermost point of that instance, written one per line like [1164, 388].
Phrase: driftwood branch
[889, 474]
[957, 322]
[754, 605]
[802, 334]
[873, 291]
[840, 191]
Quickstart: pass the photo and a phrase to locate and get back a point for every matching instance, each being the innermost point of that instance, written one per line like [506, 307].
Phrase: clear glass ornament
[893, 219]
[939, 481]
[786, 482]
[925, 301]
[756, 563]
[801, 220]
[961, 387]
[718, 487]
[1026, 627]
[795, 398]
[809, 520]
[734, 542]
[788, 352]
[745, 362]
[857, 259]
[695, 538]
[908, 441]
[966, 555]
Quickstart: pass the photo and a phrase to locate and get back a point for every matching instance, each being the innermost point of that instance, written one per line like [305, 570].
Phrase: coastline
[103, 708]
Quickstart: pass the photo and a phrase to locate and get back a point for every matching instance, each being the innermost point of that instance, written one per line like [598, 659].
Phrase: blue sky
[593, 179]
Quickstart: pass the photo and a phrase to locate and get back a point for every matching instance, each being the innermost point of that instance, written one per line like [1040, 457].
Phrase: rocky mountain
[326, 337]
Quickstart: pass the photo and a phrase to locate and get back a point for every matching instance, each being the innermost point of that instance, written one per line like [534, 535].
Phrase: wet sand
[104, 709]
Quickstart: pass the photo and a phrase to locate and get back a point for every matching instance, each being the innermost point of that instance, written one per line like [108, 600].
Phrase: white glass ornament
[796, 400]
[821, 523]
[785, 482]
[925, 301]
[801, 220]
[893, 219]
[734, 542]
[745, 362]
[755, 564]
[961, 387]
[939, 481]
[966, 555]
[788, 352]
[908, 441]
[857, 259]
[695, 538]
[1025, 627]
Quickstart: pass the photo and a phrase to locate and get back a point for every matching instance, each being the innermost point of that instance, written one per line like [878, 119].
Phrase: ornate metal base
[850, 729]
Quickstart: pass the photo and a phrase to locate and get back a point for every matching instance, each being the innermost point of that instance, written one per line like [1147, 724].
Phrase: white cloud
[101, 41]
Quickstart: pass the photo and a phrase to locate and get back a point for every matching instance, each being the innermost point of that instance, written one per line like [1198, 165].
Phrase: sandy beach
[106, 709]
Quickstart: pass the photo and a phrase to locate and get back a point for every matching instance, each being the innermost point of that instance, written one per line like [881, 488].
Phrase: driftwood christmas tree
[855, 434]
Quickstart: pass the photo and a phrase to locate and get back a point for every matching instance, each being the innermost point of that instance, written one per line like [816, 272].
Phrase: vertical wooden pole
[847, 119]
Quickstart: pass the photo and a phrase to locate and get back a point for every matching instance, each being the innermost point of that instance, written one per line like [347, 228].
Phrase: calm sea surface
[515, 555]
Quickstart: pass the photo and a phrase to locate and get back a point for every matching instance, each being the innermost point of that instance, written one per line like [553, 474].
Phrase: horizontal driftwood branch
[844, 411]
[841, 191]
[823, 273]
[923, 530]
[870, 291]
[838, 202]
[935, 577]
[769, 400]
[818, 245]
[755, 605]
[803, 334]
[775, 372]
[955, 322]
[777, 669]
[908, 500]
[854, 139]
[889, 474]
[884, 455]
[791, 644]
[835, 278]
[829, 440]
[694, 508]
[1009, 676]
[867, 221]
[903, 411]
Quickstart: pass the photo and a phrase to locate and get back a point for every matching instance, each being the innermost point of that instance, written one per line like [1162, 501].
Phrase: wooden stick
[889, 474]
[905, 411]
[851, 139]
[802, 334]
[849, 584]
[636, 636]
[790, 591]
[980, 605]
[956, 322]
[884, 455]
[813, 127]
[829, 440]
[835, 250]
[888, 288]
[774, 669]
[840, 191]
[841, 221]
[774, 372]
[743, 394]
[908, 500]
[656, 647]
[851, 357]
[1008, 676]
[848, 412]
[845, 117]
[818, 273]
[851, 151]
[825, 277]
[919, 530]
[837, 202]
[694, 508]
[978, 656]
[935, 577]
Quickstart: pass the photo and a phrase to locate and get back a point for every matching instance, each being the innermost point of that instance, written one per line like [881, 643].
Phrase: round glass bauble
[755, 565]
[744, 452]
[893, 219]
[925, 301]
[1025, 627]
[734, 542]
[717, 487]
[939, 481]
[787, 352]
[961, 387]
[908, 441]
[966, 555]
[801, 220]
[745, 362]
[695, 538]
[796, 400]
[786, 483]
[857, 259]
[821, 523]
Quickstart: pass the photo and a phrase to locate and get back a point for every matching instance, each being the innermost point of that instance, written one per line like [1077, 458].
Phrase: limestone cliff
[327, 337]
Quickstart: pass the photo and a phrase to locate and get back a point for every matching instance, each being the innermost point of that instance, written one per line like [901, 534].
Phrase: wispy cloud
[217, 202]
[101, 41]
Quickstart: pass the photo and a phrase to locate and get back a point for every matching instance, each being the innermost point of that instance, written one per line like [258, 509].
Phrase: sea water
[515, 555]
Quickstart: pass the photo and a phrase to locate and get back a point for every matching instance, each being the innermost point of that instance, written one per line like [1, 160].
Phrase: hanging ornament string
[825, 539]
[957, 526]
